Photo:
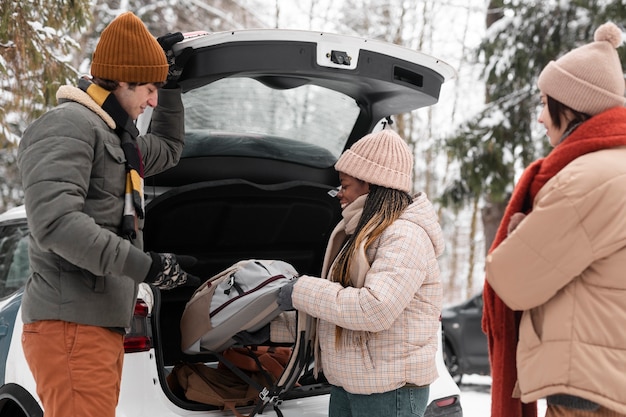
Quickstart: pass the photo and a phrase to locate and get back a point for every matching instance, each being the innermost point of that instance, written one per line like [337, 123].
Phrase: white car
[268, 112]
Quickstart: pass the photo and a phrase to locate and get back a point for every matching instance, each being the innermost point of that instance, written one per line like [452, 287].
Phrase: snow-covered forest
[468, 148]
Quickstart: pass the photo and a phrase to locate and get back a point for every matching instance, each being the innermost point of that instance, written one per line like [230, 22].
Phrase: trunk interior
[258, 212]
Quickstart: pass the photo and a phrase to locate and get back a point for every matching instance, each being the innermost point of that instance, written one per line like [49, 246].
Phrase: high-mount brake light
[138, 339]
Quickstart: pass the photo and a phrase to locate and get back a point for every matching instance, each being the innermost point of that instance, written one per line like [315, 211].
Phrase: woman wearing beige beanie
[379, 303]
[560, 251]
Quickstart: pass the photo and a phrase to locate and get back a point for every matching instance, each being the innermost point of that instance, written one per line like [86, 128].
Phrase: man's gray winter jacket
[73, 173]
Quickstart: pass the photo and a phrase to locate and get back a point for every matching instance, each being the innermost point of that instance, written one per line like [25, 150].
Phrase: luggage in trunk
[240, 298]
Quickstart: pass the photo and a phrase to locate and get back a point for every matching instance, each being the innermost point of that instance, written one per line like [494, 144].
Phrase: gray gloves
[176, 63]
[284, 296]
[166, 272]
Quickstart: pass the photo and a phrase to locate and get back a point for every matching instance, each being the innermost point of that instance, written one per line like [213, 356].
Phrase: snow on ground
[476, 400]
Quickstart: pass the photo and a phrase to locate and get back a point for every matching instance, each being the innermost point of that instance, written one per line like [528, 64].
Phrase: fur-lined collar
[68, 92]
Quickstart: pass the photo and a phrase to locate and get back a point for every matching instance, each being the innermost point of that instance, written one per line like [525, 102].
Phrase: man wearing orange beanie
[82, 166]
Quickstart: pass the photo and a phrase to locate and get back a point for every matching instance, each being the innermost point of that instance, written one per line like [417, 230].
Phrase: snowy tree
[35, 52]
[46, 45]
[445, 30]
[494, 146]
[164, 16]
[36, 46]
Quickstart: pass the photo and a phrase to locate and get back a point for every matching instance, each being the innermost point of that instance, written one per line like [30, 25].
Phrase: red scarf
[499, 322]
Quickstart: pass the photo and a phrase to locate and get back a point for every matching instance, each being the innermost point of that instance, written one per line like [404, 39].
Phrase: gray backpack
[242, 297]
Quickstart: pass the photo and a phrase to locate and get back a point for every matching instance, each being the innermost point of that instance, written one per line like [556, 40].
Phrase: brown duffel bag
[214, 386]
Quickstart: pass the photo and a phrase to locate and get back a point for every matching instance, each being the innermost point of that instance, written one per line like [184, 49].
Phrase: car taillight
[138, 340]
[446, 402]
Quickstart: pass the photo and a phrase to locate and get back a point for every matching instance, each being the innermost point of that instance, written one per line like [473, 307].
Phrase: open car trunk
[222, 221]
[267, 115]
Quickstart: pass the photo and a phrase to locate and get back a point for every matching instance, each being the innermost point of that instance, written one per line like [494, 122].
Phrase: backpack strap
[263, 391]
[302, 351]
[241, 374]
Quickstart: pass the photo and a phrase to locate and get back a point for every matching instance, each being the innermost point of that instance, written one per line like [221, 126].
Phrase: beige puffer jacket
[391, 323]
[565, 266]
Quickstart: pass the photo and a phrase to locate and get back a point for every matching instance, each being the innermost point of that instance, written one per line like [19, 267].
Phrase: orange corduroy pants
[77, 368]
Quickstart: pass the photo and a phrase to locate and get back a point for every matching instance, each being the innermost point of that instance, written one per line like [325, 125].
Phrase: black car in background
[465, 348]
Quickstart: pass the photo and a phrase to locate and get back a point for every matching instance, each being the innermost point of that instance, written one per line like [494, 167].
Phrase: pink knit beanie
[382, 158]
[588, 79]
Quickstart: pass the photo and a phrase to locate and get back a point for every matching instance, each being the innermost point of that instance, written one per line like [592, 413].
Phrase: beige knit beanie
[128, 52]
[382, 158]
[588, 79]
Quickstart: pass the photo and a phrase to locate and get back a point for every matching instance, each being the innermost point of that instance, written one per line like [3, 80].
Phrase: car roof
[383, 78]
[15, 213]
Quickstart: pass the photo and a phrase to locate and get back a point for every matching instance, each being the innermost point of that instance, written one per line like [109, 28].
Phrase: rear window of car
[306, 124]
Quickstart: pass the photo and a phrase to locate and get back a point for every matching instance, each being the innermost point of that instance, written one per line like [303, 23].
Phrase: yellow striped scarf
[127, 131]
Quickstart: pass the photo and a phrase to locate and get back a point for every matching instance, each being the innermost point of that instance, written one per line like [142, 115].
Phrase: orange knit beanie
[128, 52]
[588, 79]
[382, 158]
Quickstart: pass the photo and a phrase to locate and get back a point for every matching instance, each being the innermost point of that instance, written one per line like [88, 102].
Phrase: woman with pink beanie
[379, 300]
[555, 296]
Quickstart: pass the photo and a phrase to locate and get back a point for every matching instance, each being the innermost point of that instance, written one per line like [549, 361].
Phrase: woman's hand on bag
[284, 296]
